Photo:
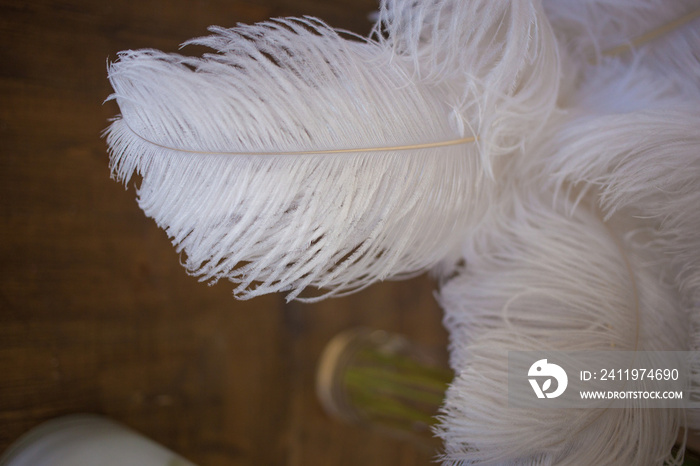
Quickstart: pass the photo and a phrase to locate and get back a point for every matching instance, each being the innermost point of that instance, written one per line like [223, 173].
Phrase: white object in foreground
[86, 440]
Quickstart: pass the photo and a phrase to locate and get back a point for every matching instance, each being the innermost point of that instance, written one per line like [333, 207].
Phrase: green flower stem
[392, 390]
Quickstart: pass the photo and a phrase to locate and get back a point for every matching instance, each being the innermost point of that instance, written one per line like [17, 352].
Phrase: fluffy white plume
[228, 145]
[546, 281]
[632, 138]
[219, 142]
[645, 165]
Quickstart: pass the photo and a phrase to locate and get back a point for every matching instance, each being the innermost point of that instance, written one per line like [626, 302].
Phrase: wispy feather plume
[225, 148]
[644, 166]
[550, 281]
[631, 138]
[295, 157]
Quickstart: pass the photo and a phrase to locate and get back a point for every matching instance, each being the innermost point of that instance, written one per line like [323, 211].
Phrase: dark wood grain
[96, 313]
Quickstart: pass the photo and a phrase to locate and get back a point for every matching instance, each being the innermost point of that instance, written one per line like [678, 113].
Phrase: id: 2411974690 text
[630, 374]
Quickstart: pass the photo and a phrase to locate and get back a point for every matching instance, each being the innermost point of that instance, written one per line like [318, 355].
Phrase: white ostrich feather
[632, 136]
[265, 162]
[547, 281]
[220, 143]
[645, 165]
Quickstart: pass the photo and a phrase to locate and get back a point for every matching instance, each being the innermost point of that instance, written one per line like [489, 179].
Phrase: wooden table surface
[96, 313]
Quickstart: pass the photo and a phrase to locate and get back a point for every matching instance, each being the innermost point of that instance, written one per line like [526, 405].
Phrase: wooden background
[97, 315]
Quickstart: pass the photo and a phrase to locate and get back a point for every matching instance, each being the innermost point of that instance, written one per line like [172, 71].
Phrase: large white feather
[632, 137]
[219, 143]
[548, 281]
[283, 220]
[644, 165]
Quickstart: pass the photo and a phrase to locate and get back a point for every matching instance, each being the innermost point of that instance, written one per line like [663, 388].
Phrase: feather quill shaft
[651, 35]
[427, 145]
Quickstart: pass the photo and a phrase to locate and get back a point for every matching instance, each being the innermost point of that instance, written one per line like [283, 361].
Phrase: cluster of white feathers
[541, 157]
